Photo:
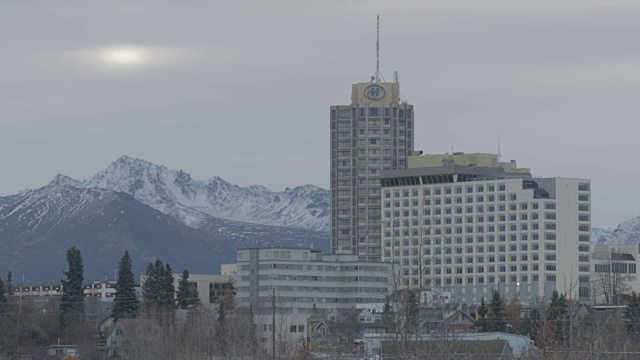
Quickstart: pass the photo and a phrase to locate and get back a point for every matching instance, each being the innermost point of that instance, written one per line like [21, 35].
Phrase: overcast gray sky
[241, 89]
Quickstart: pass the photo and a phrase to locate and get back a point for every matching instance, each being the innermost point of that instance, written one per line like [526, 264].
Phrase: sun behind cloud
[130, 57]
[126, 56]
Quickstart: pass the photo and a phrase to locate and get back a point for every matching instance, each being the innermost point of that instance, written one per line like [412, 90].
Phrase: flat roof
[448, 170]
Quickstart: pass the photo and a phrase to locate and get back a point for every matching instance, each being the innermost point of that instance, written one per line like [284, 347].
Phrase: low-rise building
[615, 272]
[306, 281]
[211, 288]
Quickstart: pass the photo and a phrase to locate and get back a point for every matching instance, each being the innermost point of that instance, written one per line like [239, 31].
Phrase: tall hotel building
[373, 134]
[465, 224]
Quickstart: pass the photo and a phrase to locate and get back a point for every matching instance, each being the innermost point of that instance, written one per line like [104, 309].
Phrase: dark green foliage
[497, 312]
[387, 316]
[158, 292]
[482, 322]
[558, 316]
[71, 308]
[125, 301]
[632, 314]
[411, 311]
[3, 300]
[9, 284]
[186, 297]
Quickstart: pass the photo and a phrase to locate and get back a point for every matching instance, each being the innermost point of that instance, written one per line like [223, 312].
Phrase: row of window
[448, 190]
[344, 114]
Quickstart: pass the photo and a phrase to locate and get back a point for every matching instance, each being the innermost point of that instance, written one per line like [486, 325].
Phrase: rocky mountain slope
[154, 213]
[627, 232]
[175, 193]
[38, 226]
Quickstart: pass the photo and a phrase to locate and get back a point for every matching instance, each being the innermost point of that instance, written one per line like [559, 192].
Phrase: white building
[615, 271]
[468, 224]
[306, 281]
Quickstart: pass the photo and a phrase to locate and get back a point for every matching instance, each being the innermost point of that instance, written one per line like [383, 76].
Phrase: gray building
[372, 134]
[306, 281]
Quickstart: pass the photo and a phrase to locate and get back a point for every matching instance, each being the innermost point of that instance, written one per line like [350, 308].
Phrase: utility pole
[273, 324]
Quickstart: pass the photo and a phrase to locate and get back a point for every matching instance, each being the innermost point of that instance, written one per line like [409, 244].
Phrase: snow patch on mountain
[627, 232]
[177, 194]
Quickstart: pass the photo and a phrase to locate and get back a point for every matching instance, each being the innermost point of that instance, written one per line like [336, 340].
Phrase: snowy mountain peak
[178, 194]
[64, 180]
[627, 232]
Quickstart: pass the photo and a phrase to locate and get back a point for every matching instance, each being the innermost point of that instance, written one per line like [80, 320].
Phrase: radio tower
[378, 75]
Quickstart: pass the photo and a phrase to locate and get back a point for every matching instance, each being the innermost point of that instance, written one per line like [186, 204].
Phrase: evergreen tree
[158, 291]
[497, 311]
[411, 311]
[71, 308]
[632, 314]
[3, 302]
[482, 322]
[9, 284]
[168, 290]
[557, 315]
[125, 302]
[184, 294]
[387, 316]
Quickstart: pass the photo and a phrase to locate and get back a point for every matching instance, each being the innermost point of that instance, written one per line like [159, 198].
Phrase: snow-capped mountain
[38, 226]
[627, 232]
[154, 213]
[175, 193]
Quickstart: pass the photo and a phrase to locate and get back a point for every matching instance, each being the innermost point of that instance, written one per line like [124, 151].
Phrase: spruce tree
[168, 290]
[557, 314]
[158, 291]
[184, 293]
[71, 308]
[632, 313]
[497, 310]
[3, 302]
[482, 322]
[9, 284]
[125, 301]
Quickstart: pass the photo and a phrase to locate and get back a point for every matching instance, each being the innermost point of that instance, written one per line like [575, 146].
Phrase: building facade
[372, 134]
[306, 281]
[615, 272]
[468, 224]
[211, 288]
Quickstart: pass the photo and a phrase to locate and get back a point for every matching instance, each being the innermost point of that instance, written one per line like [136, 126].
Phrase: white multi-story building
[468, 224]
[306, 281]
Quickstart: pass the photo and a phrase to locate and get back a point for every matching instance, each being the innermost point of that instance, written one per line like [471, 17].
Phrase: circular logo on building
[374, 92]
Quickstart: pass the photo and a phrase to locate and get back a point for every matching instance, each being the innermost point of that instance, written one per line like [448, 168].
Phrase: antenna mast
[378, 75]
[499, 154]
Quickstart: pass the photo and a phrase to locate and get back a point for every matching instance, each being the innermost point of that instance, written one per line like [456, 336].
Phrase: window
[583, 187]
[344, 114]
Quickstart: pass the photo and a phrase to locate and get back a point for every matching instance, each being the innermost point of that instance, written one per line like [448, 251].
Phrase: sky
[242, 89]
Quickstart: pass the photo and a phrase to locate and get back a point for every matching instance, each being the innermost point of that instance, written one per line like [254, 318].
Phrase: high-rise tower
[375, 132]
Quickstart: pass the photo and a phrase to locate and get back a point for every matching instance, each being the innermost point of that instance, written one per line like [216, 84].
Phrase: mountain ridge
[176, 192]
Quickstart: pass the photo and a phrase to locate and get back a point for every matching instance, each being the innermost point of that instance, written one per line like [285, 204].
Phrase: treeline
[560, 329]
[27, 325]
